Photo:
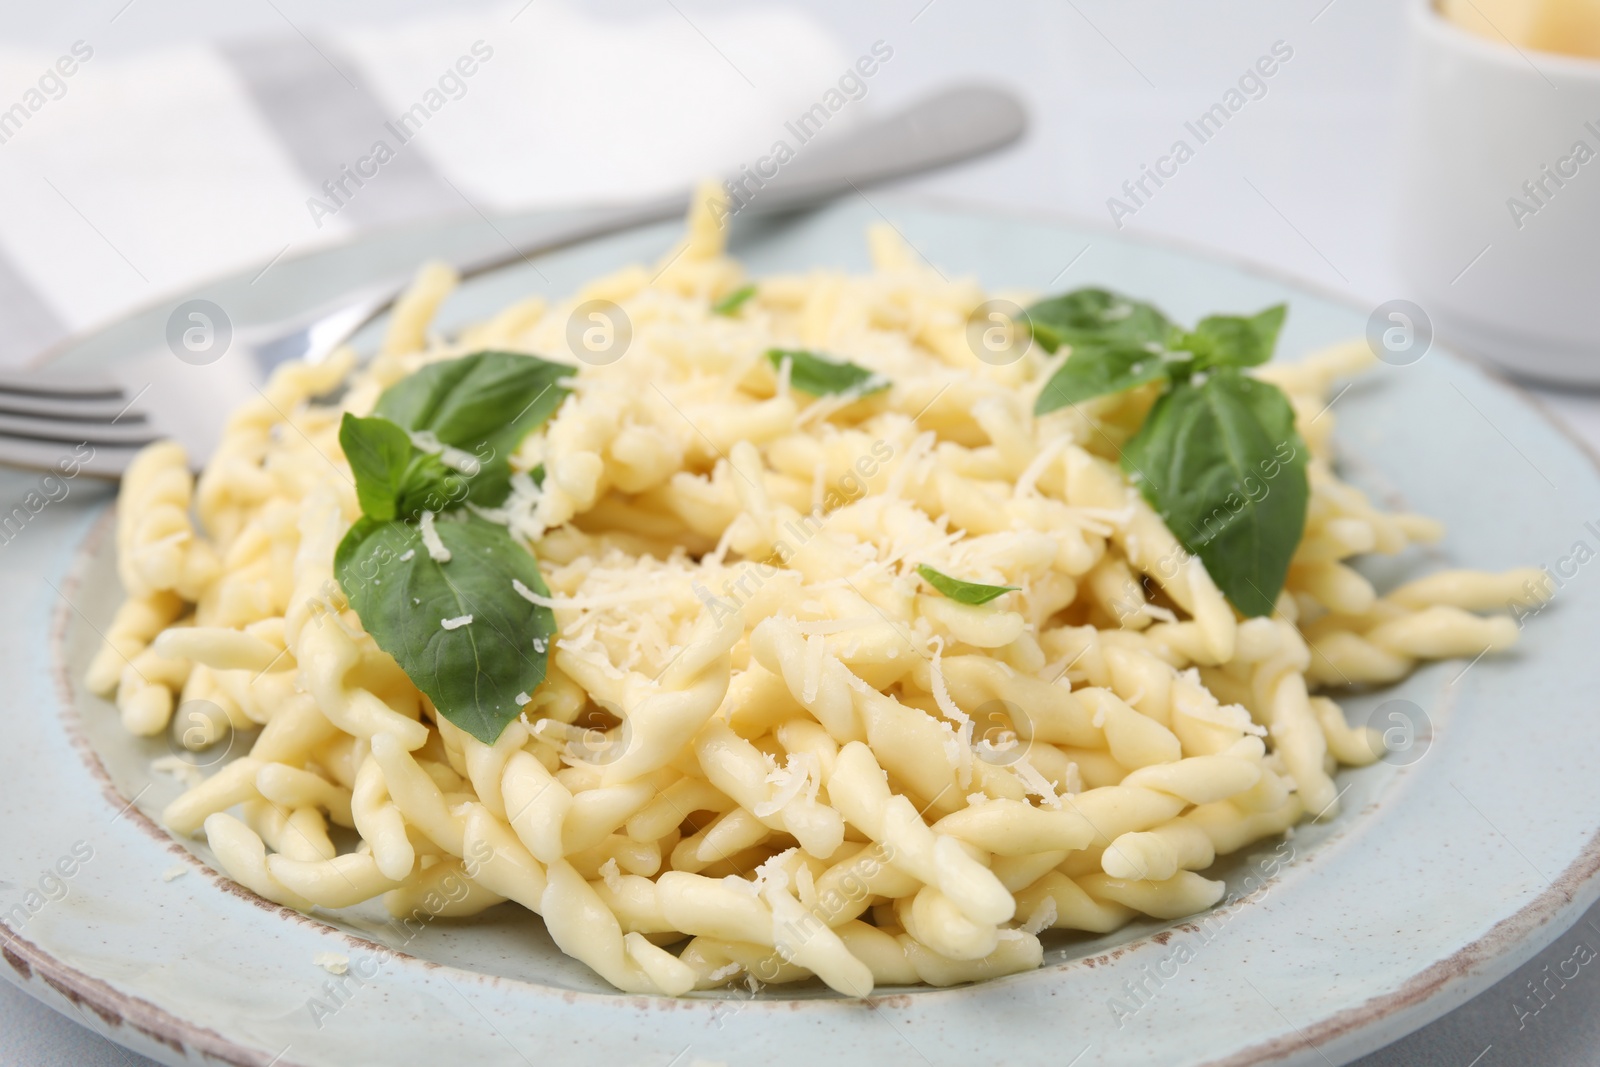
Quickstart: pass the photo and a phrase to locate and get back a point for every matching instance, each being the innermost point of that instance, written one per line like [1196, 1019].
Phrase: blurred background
[194, 139]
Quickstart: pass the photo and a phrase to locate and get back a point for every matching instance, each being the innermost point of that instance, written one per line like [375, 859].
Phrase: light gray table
[1299, 183]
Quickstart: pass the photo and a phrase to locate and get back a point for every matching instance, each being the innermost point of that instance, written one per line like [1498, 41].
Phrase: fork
[50, 420]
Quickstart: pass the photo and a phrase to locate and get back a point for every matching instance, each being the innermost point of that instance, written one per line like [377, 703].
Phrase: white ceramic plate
[1445, 871]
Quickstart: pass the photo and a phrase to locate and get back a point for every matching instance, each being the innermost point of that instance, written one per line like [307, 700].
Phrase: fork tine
[69, 432]
[98, 461]
[27, 383]
[76, 410]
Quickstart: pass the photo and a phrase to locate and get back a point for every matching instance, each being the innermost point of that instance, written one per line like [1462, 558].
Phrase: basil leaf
[1222, 463]
[431, 486]
[1234, 340]
[964, 592]
[475, 671]
[730, 304]
[1095, 370]
[820, 376]
[379, 453]
[487, 398]
[491, 485]
[1091, 315]
[397, 480]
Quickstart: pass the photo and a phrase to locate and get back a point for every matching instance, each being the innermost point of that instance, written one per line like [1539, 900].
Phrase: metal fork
[49, 420]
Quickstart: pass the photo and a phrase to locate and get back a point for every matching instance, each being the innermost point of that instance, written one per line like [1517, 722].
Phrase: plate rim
[1505, 939]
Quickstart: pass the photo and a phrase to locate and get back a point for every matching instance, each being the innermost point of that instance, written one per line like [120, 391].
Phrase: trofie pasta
[874, 686]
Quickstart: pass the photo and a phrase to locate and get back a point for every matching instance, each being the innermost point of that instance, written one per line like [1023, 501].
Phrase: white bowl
[1509, 270]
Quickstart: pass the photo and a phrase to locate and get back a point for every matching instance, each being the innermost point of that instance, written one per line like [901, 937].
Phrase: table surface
[1301, 183]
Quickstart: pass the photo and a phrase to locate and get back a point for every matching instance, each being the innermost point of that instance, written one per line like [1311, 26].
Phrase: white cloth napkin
[126, 180]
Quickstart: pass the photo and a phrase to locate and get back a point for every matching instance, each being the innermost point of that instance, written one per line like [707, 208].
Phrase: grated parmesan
[452, 457]
[1042, 917]
[800, 773]
[430, 540]
[179, 768]
[611, 875]
[1035, 783]
[815, 651]
[456, 623]
[332, 962]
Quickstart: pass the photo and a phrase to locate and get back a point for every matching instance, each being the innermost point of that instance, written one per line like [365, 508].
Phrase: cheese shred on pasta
[765, 748]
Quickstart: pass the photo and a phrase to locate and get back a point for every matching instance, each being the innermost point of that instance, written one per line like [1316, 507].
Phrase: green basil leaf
[432, 486]
[964, 592]
[821, 376]
[397, 480]
[1234, 340]
[473, 672]
[1221, 461]
[487, 398]
[491, 485]
[1095, 370]
[429, 486]
[730, 304]
[379, 453]
[1095, 315]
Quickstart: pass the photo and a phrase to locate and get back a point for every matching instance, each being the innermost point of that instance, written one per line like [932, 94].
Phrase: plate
[1452, 863]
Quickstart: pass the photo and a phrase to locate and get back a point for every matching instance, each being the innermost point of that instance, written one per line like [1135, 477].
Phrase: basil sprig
[960, 591]
[1218, 455]
[478, 670]
[821, 376]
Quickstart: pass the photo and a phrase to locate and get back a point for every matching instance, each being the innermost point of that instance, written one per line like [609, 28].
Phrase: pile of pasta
[765, 749]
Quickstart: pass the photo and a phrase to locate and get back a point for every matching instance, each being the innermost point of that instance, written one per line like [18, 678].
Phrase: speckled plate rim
[1426, 994]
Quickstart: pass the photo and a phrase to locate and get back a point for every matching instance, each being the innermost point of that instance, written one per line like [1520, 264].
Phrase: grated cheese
[430, 540]
[611, 875]
[179, 768]
[332, 962]
[800, 773]
[1035, 783]
[815, 651]
[835, 626]
[1042, 917]
[1027, 481]
[452, 457]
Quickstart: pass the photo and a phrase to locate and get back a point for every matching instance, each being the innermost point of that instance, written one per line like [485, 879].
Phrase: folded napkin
[128, 178]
